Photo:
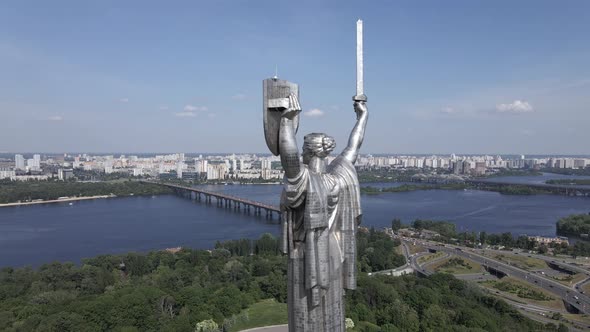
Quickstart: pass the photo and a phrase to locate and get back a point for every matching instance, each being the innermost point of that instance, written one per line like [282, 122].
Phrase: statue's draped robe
[321, 212]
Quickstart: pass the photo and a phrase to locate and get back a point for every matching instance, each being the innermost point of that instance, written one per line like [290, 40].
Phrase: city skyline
[10, 154]
[464, 78]
[257, 167]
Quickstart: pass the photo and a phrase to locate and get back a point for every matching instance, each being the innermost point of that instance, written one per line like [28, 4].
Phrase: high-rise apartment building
[266, 164]
[37, 162]
[19, 162]
[6, 173]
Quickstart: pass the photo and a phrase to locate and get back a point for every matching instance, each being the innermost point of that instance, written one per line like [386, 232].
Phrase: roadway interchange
[563, 264]
[571, 296]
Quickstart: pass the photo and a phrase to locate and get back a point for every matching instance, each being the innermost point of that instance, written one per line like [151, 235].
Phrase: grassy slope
[264, 313]
[456, 269]
[525, 263]
[555, 303]
[429, 257]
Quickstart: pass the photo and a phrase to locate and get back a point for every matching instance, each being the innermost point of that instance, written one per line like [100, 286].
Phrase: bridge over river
[223, 200]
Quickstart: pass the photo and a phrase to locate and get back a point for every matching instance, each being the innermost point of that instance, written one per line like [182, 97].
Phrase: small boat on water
[71, 204]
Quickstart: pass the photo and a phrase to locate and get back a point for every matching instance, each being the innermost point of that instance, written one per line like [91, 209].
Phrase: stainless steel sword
[360, 93]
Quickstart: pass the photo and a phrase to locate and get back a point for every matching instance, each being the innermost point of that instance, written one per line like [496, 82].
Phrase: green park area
[414, 249]
[430, 257]
[524, 292]
[264, 313]
[521, 261]
[570, 279]
[456, 265]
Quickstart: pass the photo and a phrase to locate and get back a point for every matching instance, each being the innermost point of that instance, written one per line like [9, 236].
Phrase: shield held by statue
[275, 99]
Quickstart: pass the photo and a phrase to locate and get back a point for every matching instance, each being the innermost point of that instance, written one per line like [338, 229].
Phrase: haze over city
[144, 77]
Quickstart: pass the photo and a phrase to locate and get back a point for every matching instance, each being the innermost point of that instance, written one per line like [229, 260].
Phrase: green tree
[396, 224]
[404, 317]
[543, 249]
[65, 322]
[483, 237]
[506, 239]
[208, 325]
[434, 318]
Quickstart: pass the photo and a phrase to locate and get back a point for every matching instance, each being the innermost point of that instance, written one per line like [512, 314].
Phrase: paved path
[63, 200]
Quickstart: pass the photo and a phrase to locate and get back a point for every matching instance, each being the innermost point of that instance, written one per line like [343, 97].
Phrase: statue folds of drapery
[321, 211]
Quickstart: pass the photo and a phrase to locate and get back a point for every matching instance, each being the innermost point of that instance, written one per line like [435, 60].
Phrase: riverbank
[508, 189]
[369, 190]
[570, 182]
[49, 191]
[63, 200]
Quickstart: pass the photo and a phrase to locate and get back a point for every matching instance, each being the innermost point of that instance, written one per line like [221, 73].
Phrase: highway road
[571, 296]
[562, 263]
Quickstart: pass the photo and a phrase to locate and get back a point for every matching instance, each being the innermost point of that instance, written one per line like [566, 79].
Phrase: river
[32, 235]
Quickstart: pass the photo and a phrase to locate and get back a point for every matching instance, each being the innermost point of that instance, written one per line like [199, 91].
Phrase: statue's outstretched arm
[287, 141]
[358, 132]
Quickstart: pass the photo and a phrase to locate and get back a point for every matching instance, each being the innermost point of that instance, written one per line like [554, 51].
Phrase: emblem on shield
[275, 99]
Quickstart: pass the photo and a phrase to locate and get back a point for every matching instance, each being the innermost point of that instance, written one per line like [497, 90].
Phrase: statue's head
[317, 145]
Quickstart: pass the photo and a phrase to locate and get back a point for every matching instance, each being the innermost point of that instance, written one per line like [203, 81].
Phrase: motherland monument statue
[320, 206]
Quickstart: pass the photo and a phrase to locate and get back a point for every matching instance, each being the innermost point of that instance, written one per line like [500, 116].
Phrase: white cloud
[239, 96]
[190, 111]
[518, 106]
[314, 112]
[448, 110]
[55, 118]
[192, 108]
[185, 114]
[124, 100]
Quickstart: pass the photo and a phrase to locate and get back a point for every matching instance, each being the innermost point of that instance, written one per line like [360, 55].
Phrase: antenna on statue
[276, 72]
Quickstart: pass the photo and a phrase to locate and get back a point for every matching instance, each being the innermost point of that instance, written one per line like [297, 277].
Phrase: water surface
[32, 235]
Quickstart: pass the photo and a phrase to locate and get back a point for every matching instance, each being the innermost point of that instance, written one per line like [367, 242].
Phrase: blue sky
[441, 77]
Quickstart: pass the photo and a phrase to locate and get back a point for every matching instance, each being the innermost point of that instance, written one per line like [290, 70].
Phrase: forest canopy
[166, 291]
[575, 224]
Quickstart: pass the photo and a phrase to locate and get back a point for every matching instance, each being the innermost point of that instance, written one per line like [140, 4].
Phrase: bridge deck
[223, 196]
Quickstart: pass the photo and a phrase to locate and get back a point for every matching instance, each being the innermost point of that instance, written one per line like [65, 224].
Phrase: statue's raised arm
[358, 132]
[288, 149]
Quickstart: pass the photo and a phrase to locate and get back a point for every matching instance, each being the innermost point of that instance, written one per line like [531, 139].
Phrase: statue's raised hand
[360, 108]
[294, 107]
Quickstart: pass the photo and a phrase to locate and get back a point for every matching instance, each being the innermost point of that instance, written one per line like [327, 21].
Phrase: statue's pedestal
[274, 328]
